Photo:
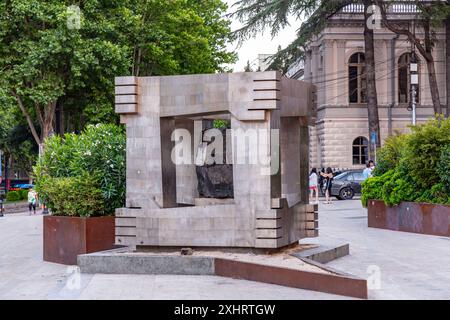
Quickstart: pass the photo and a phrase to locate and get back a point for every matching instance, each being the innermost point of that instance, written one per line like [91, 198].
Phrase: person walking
[328, 175]
[32, 200]
[313, 186]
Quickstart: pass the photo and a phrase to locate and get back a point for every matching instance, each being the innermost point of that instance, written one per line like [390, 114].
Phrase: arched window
[360, 151]
[357, 78]
[404, 78]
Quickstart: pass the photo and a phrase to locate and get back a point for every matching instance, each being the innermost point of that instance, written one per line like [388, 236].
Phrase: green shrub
[413, 167]
[437, 194]
[23, 194]
[423, 151]
[13, 196]
[399, 187]
[74, 196]
[371, 188]
[98, 152]
[443, 168]
[388, 157]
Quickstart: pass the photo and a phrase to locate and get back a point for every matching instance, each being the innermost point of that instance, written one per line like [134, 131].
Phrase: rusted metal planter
[67, 237]
[411, 217]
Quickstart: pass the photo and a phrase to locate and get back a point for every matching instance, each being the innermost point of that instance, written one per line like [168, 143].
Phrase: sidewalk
[23, 275]
[410, 266]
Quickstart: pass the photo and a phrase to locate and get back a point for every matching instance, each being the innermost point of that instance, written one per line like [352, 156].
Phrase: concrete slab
[324, 253]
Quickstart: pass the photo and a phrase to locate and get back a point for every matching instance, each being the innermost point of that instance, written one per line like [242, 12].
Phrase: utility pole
[413, 69]
[414, 87]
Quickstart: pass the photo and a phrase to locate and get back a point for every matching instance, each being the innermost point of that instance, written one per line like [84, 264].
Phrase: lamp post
[414, 85]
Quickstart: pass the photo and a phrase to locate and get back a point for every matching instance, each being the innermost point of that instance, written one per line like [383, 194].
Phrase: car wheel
[346, 193]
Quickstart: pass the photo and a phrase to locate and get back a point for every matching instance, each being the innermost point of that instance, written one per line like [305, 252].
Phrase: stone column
[342, 69]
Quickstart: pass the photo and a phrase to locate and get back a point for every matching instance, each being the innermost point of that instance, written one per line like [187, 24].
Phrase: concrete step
[324, 253]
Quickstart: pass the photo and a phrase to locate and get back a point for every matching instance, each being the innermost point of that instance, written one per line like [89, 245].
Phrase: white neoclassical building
[335, 64]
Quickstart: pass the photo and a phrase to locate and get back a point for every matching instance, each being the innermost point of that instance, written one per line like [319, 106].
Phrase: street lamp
[414, 84]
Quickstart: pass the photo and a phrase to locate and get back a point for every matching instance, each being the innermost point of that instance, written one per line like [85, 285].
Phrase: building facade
[335, 64]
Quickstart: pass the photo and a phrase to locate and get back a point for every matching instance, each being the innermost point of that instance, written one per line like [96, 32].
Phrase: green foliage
[23, 194]
[443, 168]
[99, 152]
[423, 151]
[79, 196]
[388, 157]
[13, 196]
[221, 124]
[44, 62]
[413, 167]
[372, 188]
[437, 194]
[399, 187]
[257, 15]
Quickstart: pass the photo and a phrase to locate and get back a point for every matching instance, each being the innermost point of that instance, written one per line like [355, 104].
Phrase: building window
[360, 151]
[357, 78]
[404, 78]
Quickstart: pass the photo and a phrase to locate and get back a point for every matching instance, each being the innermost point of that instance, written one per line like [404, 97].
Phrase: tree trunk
[47, 127]
[434, 89]
[447, 37]
[372, 100]
[27, 117]
[426, 52]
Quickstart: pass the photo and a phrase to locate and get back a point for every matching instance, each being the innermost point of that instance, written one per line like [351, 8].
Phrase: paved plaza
[409, 266]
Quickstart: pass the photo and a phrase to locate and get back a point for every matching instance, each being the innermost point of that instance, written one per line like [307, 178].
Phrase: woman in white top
[313, 186]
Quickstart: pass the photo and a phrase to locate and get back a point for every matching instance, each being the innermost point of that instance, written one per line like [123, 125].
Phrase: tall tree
[48, 61]
[258, 15]
[447, 50]
[432, 14]
[372, 97]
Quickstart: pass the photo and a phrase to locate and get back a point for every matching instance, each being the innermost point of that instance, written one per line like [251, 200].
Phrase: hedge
[413, 167]
[75, 169]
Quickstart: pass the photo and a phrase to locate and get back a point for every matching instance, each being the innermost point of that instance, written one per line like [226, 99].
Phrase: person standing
[368, 171]
[32, 200]
[328, 175]
[321, 182]
[313, 185]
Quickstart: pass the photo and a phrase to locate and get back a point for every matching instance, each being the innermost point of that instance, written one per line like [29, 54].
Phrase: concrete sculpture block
[268, 113]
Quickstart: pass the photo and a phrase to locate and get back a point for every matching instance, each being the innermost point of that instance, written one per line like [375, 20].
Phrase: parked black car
[347, 184]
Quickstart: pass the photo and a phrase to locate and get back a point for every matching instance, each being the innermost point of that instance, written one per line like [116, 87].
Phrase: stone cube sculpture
[163, 208]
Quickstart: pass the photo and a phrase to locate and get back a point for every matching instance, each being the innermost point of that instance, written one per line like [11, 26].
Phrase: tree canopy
[50, 56]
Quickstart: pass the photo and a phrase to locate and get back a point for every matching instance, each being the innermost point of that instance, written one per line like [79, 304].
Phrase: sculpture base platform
[281, 268]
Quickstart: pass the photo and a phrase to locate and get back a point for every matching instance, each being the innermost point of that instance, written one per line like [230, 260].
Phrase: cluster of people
[323, 181]
[318, 182]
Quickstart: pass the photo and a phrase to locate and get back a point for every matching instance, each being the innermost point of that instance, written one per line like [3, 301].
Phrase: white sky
[262, 43]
